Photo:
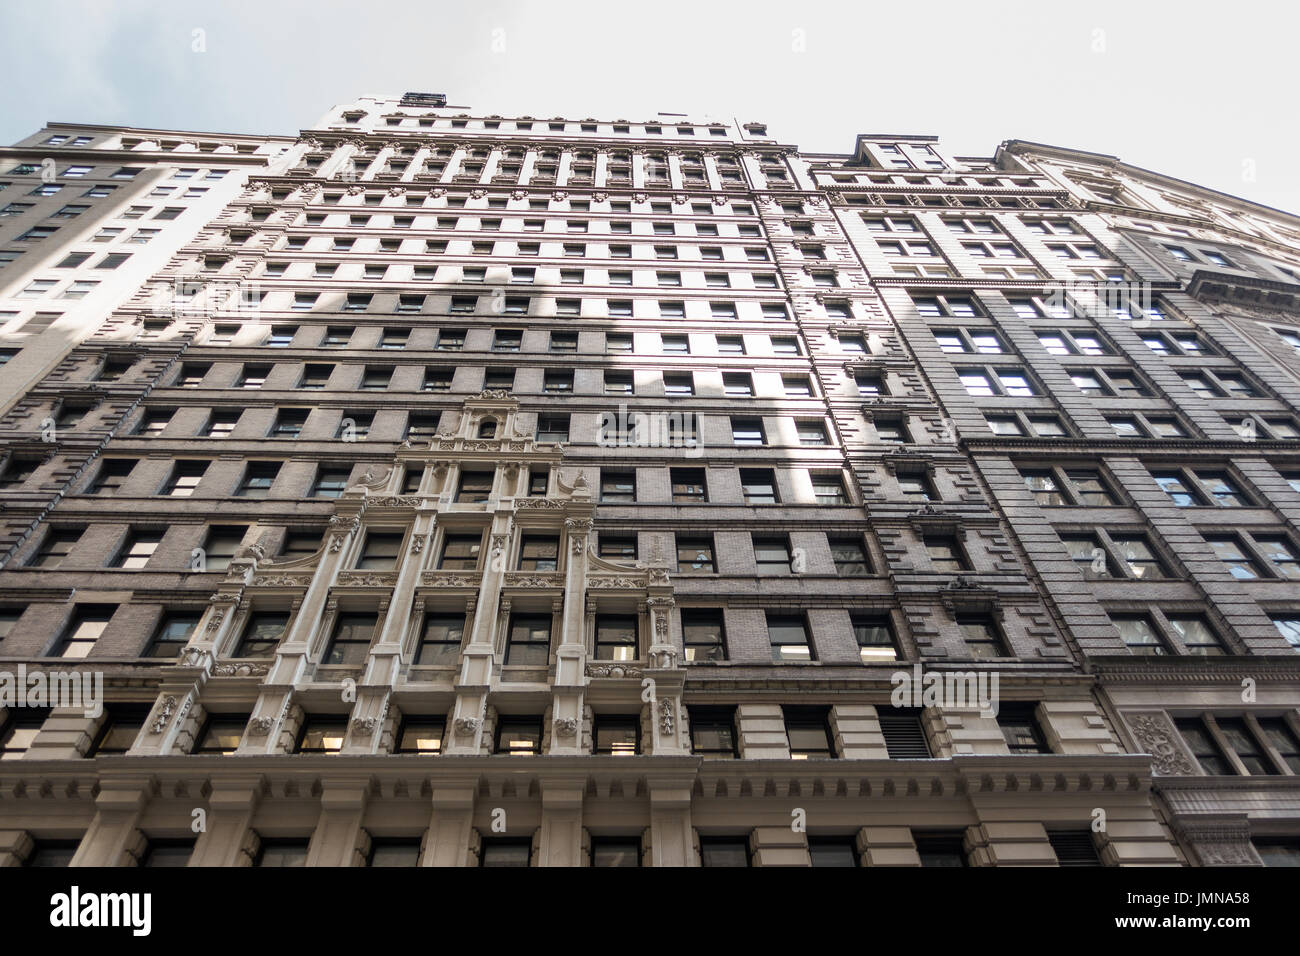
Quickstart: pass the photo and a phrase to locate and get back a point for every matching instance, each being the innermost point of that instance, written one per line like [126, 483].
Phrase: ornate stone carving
[448, 579]
[281, 580]
[667, 715]
[1157, 737]
[364, 726]
[614, 670]
[539, 504]
[465, 726]
[215, 620]
[164, 714]
[261, 726]
[240, 669]
[417, 544]
[396, 501]
[566, 726]
[364, 580]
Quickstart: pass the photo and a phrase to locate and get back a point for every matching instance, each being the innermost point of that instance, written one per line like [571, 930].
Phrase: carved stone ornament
[1158, 738]
[614, 670]
[215, 620]
[240, 669]
[364, 726]
[164, 714]
[566, 726]
[667, 715]
[260, 726]
[466, 725]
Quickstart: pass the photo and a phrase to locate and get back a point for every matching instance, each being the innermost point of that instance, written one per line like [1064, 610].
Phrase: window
[788, 635]
[376, 378]
[703, 635]
[1231, 745]
[440, 638]
[808, 732]
[1060, 487]
[615, 851]
[946, 556]
[420, 735]
[747, 432]
[758, 486]
[1020, 729]
[616, 637]
[112, 474]
[321, 734]
[904, 733]
[1139, 635]
[316, 376]
[833, 851]
[497, 851]
[262, 634]
[350, 639]
[688, 485]
[300, 544]
[617, 486]
[679, 384]
[258, 478]
[519, 735]
[982, 636]
[18, 729]
[380, 551]
[121, 726]
[221, 734]
[552, 428]
[475, 487]
[849, 555]
[695, 554]
[56, 547]
[539, 553]
[1190, 489]
[52, 853]
[940, 849]
[137, 549]
[772, 555]
[557, 382]
[331, 481]
[875, 637]
[713, 732]
[811, 432]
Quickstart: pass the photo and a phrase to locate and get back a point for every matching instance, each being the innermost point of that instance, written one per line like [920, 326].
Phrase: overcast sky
[1203, 91]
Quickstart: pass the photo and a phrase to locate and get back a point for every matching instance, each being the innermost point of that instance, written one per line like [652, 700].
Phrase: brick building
[450, 489]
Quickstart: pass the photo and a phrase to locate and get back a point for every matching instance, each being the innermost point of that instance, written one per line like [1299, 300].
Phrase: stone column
[114, 828]
[672, 841]
[229, 815]
[451, 825]
[342, 804]
[561, 835]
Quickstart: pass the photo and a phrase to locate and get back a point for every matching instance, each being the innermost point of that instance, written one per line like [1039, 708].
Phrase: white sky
[1202, 91]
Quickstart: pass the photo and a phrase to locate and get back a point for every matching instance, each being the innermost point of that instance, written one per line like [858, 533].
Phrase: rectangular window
[788, 635]
[616, 637]
[528, 643]
[381, 551]
[350, 639]
[703, 635]
[713, 732]
[84, 628]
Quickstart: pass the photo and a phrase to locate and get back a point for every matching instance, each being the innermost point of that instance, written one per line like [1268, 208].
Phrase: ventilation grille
[904, 736]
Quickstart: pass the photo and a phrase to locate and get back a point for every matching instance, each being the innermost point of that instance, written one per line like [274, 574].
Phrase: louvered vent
[904, 736]
[1074, 848]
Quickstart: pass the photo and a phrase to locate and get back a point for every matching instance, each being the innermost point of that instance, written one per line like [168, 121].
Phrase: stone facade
[471, 490]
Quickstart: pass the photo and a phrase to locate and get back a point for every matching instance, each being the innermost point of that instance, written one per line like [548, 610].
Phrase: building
[665, 495]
